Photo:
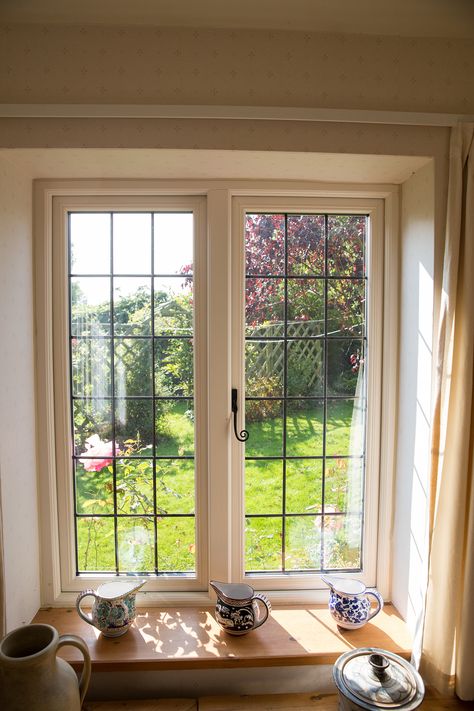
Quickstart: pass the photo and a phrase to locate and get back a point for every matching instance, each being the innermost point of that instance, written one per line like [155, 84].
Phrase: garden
[133, 419]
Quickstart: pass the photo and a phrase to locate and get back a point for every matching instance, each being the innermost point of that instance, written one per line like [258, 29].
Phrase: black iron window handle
[243, 435]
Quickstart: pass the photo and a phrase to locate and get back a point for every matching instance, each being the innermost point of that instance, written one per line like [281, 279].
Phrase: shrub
[259, 410]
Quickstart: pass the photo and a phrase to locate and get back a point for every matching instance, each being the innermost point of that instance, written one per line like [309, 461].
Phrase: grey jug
[32, 676]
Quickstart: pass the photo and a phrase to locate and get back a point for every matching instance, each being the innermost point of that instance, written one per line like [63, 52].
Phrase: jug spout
[232, 593]
[119, 589]
[344, 586]
[216, 586]
[330, 581]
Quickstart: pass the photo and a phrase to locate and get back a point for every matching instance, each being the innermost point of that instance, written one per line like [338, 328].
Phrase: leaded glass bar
[305, 375]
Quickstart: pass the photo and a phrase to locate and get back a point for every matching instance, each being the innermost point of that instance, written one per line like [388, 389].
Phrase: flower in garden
[103, 451]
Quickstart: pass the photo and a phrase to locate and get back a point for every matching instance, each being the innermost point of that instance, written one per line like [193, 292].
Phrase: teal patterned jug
[113, 610]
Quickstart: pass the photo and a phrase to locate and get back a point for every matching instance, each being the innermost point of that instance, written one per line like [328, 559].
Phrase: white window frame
[221, 496]
[374, 261]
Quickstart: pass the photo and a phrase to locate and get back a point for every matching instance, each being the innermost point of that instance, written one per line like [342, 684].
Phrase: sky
[132, 248]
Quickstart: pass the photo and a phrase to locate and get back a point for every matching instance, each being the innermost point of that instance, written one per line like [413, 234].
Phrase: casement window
[132, 389]
[307, 355]
[155, 306]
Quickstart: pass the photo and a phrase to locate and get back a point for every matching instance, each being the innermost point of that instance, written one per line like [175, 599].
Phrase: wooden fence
[268, 358]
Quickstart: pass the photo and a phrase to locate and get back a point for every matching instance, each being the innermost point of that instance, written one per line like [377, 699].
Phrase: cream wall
[17, 397]
[138, 65]
[410, 542]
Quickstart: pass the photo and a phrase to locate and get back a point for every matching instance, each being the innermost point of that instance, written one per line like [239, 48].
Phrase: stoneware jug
[32, 676]
[350, 602]
[239, 608]
[113, 610]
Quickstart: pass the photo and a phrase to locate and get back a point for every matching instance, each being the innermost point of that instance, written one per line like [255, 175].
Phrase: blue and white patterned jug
[350, 602]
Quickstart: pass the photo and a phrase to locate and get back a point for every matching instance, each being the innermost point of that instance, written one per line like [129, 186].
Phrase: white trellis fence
[268, 360]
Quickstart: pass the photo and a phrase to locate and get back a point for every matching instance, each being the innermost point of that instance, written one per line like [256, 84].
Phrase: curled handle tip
[378, 600]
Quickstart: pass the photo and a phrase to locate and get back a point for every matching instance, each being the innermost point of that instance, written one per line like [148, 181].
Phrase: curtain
[447, 660]
[3, 626]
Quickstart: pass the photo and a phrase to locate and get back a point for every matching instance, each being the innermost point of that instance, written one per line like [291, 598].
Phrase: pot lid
[376, 679]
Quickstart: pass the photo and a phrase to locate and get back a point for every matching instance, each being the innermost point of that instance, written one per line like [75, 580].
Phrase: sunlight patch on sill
[190, 638]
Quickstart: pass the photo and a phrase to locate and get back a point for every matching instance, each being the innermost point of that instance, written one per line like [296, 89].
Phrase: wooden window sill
[190, 638]
[267, 702]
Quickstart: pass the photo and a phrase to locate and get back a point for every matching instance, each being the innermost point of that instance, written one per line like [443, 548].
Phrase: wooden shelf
[142, 705]
[190, 638]
[266, 702]
[306, 702]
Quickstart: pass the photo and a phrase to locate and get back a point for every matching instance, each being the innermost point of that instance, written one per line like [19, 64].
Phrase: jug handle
[261, 598]
[379, 600]
[84, 593]
[75, 641]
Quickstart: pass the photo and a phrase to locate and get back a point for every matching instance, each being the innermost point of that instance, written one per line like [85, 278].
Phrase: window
[308, 298]
[132, 391]
[305, 348]
[129, 339]
[157, 304]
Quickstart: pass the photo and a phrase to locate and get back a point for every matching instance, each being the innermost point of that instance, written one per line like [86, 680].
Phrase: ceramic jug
[113, 610]
[33, 677]
[350, 602]
[239, 608]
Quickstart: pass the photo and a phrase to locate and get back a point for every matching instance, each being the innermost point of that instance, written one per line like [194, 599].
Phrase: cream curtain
[3, 628]
[447, 660]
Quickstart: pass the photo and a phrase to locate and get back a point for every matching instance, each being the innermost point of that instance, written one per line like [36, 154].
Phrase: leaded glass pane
[305, 332]
[132, 382]
[132, 243]
[173, 243]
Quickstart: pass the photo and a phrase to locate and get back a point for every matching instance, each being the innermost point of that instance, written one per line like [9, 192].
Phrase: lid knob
[379, 665]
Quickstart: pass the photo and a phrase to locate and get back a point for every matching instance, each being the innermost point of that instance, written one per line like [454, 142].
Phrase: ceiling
[410, 18]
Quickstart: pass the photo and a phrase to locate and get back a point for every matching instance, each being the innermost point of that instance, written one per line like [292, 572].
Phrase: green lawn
[264, 492]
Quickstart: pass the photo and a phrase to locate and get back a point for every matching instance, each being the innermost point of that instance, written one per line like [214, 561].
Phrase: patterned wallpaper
[97, 64]
[300, 136]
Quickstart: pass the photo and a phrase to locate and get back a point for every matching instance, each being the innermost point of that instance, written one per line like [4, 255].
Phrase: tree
[305, 249]
[133, 372]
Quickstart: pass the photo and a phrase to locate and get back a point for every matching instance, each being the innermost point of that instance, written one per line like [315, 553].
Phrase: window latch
[243, 435]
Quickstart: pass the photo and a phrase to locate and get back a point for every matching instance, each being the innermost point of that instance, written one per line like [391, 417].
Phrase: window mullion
[220, 507]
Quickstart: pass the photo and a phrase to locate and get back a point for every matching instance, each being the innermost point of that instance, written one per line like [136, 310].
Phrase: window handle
[243, 435]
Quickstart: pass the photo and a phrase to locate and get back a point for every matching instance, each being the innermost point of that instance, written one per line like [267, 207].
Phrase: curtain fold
[447, 660]
[3, 626]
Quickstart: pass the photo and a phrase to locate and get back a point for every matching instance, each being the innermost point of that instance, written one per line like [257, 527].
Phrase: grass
[265, 494]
